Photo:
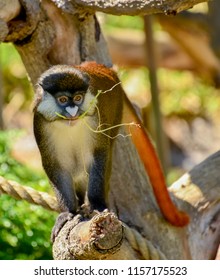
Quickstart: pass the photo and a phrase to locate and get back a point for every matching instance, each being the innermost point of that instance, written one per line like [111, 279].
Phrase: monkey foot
[60, 222]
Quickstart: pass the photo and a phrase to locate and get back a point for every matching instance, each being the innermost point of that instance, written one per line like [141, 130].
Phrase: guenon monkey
[73, 105]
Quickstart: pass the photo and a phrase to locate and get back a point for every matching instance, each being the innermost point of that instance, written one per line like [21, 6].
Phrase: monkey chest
[73, 146]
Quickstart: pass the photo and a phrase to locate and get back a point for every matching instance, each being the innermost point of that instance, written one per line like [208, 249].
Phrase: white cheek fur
[48, 107]
[89, 103]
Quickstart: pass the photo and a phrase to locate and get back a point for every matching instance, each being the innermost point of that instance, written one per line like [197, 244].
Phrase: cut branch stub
[89, 239]
[106, 232]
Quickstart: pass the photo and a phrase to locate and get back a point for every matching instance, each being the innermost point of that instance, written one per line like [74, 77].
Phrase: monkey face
[63, 93]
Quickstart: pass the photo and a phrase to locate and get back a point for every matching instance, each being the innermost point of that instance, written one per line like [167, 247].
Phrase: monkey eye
[77, 99]
[62, 99]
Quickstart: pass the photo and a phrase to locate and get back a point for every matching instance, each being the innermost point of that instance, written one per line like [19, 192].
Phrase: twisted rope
[135, 239]
[142, 245]
[29, 194]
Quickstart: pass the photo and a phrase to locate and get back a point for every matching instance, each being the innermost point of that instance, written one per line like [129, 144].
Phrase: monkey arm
[153, 168]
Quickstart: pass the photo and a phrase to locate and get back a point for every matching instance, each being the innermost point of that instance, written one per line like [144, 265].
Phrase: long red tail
[153, 168]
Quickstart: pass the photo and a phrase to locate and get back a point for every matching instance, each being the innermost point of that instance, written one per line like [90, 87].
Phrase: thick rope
[29, 194]
[147, 250]
[142, 245]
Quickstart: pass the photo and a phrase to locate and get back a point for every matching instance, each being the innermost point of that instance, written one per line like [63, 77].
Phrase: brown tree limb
[97, 238]
[17, 25]
[9, 9]
[129, 7]
[200, 191]
[102, 236]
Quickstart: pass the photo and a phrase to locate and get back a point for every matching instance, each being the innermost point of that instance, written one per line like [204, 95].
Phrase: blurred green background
[24, 228]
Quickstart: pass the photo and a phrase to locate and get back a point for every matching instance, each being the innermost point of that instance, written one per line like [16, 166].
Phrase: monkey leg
[98, 181]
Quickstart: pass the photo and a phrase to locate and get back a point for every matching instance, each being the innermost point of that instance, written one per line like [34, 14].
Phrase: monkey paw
[60, 222]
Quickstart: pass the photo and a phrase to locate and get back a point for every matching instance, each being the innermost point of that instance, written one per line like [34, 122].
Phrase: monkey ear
[85, 77]
[38, 95]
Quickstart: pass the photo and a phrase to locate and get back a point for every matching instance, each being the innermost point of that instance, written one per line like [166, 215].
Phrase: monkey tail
[153, 168]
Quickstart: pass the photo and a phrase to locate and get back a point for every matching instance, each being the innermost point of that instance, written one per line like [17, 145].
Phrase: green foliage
[15, 81]
[184, 95]
[24, 228]
[128, 22]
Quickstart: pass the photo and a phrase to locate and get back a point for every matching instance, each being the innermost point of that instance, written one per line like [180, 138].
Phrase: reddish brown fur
[99, 70]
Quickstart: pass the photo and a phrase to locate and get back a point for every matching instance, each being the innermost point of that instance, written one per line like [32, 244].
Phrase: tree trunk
[70, 34]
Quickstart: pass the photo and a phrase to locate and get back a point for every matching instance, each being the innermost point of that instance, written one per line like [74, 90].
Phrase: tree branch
[102, 237]
[9, 9]
[199, 190]
[97, 238]
[129, 7]
[22, 18]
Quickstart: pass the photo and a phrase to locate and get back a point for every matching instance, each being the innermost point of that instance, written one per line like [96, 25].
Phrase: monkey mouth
[71, 121]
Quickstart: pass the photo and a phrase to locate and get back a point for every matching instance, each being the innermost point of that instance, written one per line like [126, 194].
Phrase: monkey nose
[72, 110]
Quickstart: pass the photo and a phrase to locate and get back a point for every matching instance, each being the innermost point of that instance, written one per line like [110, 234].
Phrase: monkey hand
[60, 222]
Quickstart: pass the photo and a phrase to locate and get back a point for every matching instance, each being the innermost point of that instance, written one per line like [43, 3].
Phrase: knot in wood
[25, 23]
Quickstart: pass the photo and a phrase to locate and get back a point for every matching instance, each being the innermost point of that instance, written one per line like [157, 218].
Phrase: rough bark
[199, 189]
[55, 36]
[9, 9]
[129, 7]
